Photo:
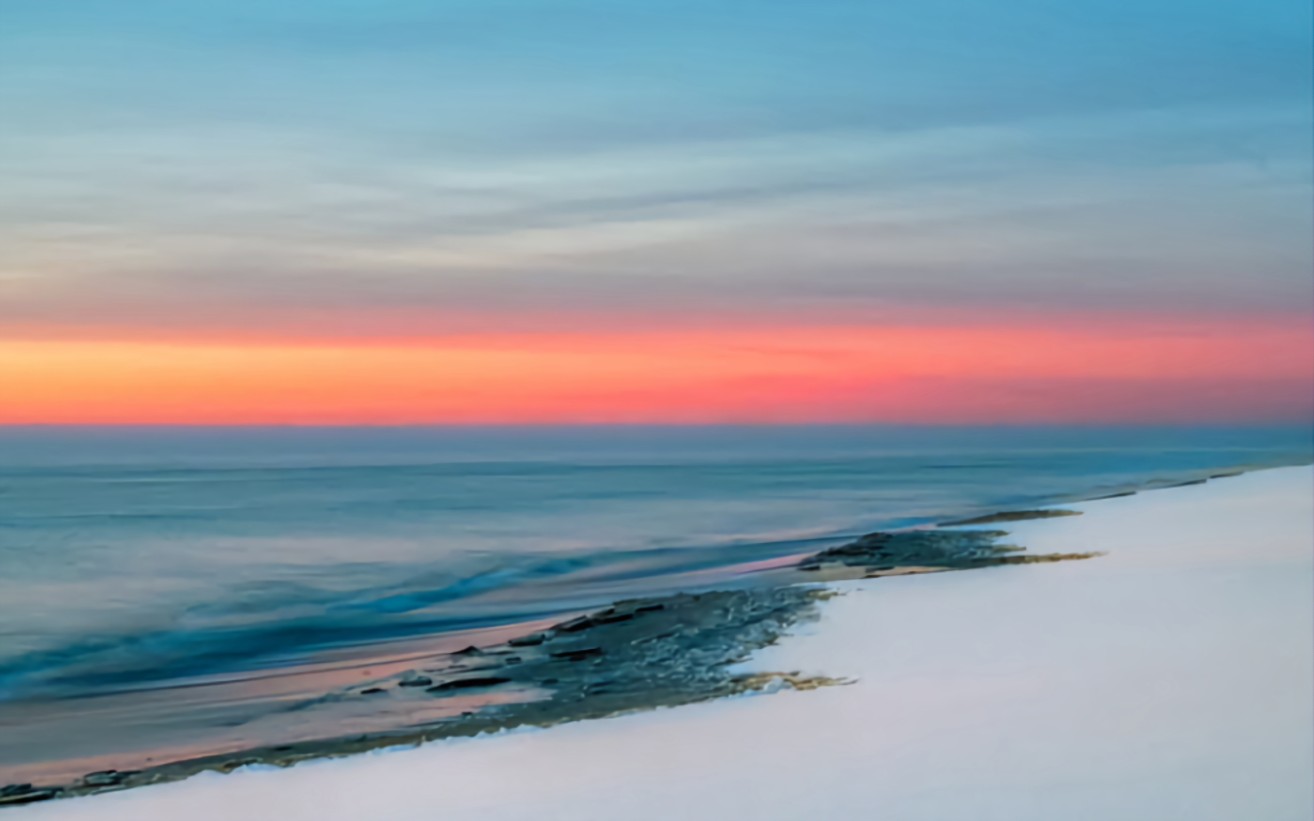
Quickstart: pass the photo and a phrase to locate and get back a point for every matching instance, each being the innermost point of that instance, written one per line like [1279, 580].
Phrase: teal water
[140, 557]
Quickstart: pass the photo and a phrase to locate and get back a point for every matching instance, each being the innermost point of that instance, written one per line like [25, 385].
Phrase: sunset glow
[1144, 372]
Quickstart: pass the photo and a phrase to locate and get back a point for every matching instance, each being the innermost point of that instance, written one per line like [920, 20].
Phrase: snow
[1170, 678]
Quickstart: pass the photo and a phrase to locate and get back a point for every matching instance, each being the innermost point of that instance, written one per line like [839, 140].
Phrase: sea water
[134, 558]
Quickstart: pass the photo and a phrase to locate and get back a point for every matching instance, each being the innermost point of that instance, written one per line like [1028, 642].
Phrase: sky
[483, 211]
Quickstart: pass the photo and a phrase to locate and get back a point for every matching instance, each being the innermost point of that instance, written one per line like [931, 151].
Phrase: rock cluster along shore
[1012, 516]
[634, 655]
[878, 554]
[15, 794]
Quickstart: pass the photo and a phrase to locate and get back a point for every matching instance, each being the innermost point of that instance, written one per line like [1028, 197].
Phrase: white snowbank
[1169, 679]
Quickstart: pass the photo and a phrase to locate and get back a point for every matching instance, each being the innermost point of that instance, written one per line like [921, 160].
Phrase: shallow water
[135, 558]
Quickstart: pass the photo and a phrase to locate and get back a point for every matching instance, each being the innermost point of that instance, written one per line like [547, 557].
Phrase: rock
[415, 681]
[1012, 516]
[613, 618]
[370, 691]
[532, 640]
[1119, 495]
[15, 795]
[238, 763]
[103, 778]
[575, 625]
[29, 795]
[577, 655]
[469, 651]
[469, 683]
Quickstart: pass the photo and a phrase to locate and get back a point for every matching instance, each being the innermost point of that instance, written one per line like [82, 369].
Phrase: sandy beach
[1169, 678]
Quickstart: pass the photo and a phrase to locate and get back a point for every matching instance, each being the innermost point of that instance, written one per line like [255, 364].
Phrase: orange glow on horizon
[1150, 372]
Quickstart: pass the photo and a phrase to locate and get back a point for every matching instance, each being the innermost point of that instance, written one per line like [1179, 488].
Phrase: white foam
[1171, 678]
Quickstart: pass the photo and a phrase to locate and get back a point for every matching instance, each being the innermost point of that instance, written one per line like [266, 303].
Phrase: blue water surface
[132, 555]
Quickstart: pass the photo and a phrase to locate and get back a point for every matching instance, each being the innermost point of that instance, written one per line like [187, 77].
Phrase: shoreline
[77, 670]
[587, 667]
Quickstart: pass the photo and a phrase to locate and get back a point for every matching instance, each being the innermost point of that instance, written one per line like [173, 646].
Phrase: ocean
[138, 558]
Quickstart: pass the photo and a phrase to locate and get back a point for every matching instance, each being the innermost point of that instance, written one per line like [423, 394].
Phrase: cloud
[340, 165]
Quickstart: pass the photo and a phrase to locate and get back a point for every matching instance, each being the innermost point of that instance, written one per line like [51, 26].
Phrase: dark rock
[469, 683]
[237, 763]
[1119, 495]
[1011, 516]
[103, 778]
[15, 789]
[415, 681]
[469, 651]
[575, 625]
[532, 640]
[649, 608]
[579, 654]
[28, 796]
[948, 549]
[370, 691]
[614, 618]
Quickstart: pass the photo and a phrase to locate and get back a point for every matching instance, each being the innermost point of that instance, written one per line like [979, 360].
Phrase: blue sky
[245, 164]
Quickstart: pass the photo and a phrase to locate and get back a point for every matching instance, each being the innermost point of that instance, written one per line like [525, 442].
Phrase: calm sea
[136, 557]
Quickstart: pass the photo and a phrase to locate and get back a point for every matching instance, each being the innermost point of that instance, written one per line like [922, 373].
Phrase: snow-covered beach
[1170, 678]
